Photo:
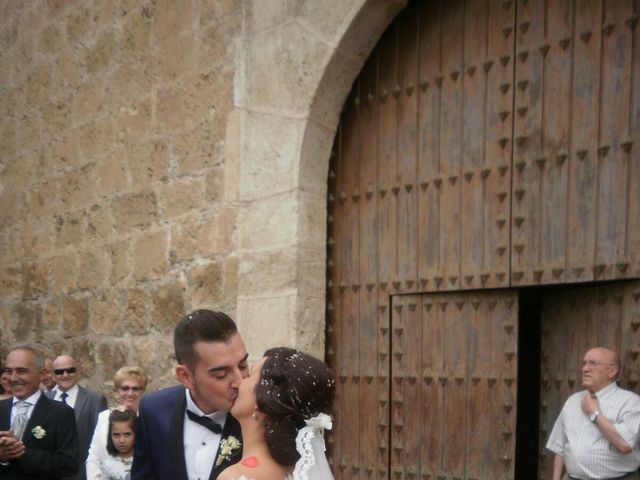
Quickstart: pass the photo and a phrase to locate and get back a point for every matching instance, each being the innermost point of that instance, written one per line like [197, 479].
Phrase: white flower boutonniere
[228, 447]
[39, 432]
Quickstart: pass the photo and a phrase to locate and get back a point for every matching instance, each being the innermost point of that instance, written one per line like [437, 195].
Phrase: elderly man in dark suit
[182, 430]
[85, 403]
[38, 437]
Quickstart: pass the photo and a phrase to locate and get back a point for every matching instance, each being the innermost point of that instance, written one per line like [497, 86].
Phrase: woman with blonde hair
[130, 384]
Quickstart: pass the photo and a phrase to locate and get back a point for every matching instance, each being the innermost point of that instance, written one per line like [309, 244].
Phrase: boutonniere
[39, 432]
[228, 446]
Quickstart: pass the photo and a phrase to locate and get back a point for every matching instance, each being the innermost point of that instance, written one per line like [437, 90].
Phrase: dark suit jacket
[88, 405]
[159, 449]
[50, 457]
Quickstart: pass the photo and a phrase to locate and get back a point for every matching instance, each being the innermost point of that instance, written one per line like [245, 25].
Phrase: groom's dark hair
[200, 326]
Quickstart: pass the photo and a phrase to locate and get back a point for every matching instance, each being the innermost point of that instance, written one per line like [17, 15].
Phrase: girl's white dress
[116, 468]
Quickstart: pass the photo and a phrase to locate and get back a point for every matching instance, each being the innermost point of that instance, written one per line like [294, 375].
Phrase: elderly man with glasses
[85, 403]
[596, 435]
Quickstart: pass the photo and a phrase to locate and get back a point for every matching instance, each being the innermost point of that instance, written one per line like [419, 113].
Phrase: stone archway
[299, 60]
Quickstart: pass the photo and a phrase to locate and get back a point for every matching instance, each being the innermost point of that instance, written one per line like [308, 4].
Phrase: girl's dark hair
[293, 387]
[128, 416]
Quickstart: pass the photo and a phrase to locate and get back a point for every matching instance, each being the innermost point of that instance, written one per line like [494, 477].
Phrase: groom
[182, 429]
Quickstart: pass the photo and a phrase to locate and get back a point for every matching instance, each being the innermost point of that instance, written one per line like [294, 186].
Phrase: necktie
[63, 397]
[20, 419]
[204, 421]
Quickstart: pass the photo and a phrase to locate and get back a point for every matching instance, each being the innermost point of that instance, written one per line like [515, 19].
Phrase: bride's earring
[254, 415]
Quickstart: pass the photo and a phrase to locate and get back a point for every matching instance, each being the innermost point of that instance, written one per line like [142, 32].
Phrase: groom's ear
[184, 376]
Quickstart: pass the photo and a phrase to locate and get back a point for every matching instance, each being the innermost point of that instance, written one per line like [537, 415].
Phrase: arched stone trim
[298, 62]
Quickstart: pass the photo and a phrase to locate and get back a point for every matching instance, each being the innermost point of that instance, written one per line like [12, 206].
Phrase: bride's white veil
[313, 464]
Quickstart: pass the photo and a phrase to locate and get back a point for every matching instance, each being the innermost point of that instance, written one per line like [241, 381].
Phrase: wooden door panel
[573, 321]
[451, 354]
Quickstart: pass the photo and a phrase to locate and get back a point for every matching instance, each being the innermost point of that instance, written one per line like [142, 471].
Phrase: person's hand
[11, 447]
[590, 404]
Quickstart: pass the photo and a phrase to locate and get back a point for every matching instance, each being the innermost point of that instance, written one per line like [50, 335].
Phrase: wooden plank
[450, 156]
[383, 386]
[614, 120]
[474, 112]
[428, 143]
[387, 155]
[433, 391]
[369, 392]
[584, 134]
[456, 334]
[406, 187]
[528, 91]
[556, 118]
[496, 171]
[631, 142]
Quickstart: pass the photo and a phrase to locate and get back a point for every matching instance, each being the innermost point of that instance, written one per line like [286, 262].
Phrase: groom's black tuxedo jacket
[50, 457]
[159, 448]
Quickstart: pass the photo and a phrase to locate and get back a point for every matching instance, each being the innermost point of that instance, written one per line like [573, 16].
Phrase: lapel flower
[39, 432]
[228, 447]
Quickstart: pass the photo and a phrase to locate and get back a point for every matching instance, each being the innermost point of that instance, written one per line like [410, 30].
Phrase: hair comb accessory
[313, 464]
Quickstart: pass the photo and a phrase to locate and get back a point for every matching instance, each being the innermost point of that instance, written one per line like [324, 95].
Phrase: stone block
[136, 30]
[232, 154]
[269, 222]
[206, 283]
[38, 84]
[43, 198]
[94, 269]
[216, 234]
[64, 153]
[129, 81]
[172, 17]
[184, 240]
[293, 60]
[267, 272]
[134, 121]
[75, 316]
[99, 221]
[266, 321]
[181, 196]
[25, 318]
[83, 352]
[106, 312]
[218, 42]
[112, 355]
[101, 54]
[11, 280]
[216, 186]
[51, 318]
[174, 55]
[168, 305]
[148, 162]
[136, 315]
[69, 227]
[37, 236]
[64, 273]
[56, 115]
[119, 253]
[198, 148]
[310, 324]
[77, 187]
[231, 281]
[217, 12]
[267, 14]
[270, 157]
[35, 280]
[150, 255]
[89, 101]
[314, 158]
[311, 276]
[312, 220]
[328, 19]
[112, 174]
[135, 210]
[97, 137]
[11, 216]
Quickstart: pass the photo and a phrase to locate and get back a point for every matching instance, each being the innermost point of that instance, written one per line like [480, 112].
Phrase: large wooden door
[486, 144]
[452, 356]
[573, 321]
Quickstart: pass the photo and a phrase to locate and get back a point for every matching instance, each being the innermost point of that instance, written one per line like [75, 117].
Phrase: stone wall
[158, 156]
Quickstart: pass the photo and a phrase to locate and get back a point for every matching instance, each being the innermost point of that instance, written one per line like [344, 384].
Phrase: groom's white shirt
[200, 443]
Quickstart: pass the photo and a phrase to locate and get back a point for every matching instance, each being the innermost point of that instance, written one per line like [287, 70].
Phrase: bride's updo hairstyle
[293, 387]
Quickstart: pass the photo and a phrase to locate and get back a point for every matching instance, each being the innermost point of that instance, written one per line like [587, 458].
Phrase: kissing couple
[229, 422]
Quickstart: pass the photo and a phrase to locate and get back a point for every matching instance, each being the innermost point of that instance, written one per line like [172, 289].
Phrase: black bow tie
[204, 421]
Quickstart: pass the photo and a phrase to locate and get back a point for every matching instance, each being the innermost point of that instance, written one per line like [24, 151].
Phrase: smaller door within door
[453, 385]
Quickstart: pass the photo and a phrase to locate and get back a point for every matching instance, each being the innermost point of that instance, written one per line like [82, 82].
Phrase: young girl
[120, 440]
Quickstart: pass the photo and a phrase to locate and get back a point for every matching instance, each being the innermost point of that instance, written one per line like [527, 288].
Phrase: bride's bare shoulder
[239, 472]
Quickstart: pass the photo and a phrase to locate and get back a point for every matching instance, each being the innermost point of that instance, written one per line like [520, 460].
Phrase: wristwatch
[594, 416]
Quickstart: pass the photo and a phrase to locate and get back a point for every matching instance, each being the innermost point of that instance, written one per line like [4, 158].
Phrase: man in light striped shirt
[596, 435]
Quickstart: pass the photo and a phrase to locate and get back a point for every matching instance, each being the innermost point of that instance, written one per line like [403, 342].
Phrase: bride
[282, 408]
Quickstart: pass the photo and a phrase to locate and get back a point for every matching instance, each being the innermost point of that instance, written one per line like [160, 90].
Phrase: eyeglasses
[126, 388]
[61, 371]
[595, 363]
